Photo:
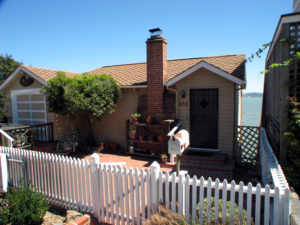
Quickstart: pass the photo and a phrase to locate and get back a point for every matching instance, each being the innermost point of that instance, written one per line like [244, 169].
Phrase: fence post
[95, 159]
[3, 172]
[155, 168]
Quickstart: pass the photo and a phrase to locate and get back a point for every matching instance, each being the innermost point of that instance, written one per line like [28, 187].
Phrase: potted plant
[135, 117]
[133, 134]
[150, 119]
[164, 158]
[159, 136]
[141, 138]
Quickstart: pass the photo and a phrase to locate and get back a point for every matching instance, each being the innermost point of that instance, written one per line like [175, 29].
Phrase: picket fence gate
[118, 195]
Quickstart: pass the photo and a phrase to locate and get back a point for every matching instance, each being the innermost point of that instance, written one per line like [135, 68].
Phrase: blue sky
[78, 36]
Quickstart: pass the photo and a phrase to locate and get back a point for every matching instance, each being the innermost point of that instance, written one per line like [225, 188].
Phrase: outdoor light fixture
[182, 93]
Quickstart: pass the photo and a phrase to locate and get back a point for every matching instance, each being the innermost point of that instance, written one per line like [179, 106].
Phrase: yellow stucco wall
[206, 79]
[112, 127]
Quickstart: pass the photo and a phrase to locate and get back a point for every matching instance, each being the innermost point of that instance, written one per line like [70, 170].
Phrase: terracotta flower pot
[132, 136]
[135, 120]
[159, 138]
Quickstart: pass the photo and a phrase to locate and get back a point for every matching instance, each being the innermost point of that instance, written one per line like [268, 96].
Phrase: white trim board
[283, 20]
[207, 66]
[20, 68]
[203, 149]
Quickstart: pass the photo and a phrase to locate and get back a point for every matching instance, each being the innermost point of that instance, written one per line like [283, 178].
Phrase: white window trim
[15, 93]
[209, 67]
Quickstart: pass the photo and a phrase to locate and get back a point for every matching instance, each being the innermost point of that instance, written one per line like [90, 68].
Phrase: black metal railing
[42, 132]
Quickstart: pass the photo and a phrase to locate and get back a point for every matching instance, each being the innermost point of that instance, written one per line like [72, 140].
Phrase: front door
[204, 118]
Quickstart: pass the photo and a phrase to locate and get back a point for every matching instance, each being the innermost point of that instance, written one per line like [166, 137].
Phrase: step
[212, 174]
[215, 158]
[228, 166]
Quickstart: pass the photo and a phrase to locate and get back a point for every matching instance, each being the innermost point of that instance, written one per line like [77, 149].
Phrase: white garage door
[28, 107]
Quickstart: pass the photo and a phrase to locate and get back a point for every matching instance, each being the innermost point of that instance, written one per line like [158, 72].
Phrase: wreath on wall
[26, 81]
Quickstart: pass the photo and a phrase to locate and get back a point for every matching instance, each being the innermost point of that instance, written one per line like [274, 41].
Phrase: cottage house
[203, 93]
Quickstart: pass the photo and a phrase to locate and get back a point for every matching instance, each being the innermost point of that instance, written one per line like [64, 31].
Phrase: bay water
[251, 111]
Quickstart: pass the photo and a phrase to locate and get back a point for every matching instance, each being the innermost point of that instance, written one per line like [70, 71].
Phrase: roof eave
[21, 68]
[285, 18]
[209, 67]
[133, 86]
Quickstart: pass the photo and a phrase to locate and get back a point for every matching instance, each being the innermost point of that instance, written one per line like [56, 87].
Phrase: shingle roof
[45, 74]
[136, 74]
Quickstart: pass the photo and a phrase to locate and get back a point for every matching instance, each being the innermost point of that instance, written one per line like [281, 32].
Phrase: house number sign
[183, 104]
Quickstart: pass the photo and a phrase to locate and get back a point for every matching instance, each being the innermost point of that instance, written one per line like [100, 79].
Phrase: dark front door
[204, 118]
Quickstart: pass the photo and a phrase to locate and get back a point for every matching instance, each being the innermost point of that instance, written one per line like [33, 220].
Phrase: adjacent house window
[28, 106]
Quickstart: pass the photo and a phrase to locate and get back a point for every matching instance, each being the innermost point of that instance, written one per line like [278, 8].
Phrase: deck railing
[25, 136]
[43, 132]
[272, 173]
[6, 140]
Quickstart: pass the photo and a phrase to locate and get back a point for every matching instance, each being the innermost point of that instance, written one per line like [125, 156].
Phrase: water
[251, 111]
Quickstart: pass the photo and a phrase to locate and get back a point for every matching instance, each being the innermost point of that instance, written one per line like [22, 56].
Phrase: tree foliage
[2, 106]
[83, 95]
[292, 136]
[7, 66]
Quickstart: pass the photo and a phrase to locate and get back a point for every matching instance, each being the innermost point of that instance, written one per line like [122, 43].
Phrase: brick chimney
[156, 71]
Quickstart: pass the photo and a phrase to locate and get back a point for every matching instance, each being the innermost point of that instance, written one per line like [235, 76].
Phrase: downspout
[237, 115]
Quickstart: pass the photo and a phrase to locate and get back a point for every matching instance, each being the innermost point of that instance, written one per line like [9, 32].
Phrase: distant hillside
[252, 95]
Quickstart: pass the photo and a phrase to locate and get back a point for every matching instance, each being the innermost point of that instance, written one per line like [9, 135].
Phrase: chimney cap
[155, 32]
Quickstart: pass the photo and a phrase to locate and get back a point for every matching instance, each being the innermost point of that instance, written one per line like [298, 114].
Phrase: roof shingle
[46, 74]
[136, 74]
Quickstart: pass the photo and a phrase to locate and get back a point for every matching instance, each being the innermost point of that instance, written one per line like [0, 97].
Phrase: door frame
[218, 128]
[15, 93]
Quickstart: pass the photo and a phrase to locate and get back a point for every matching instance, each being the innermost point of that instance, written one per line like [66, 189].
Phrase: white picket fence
[119, 195]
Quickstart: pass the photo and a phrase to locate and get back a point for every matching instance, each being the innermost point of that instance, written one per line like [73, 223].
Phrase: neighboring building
[276, 90]
[204, 93]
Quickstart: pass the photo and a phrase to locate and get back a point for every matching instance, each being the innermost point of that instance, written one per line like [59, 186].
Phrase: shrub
[3, 211]
[26, 206]
[165, 217]
[212, 214]
[292, 137]
[84, 95]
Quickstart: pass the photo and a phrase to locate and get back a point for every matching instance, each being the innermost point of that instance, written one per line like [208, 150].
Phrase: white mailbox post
[177, 144]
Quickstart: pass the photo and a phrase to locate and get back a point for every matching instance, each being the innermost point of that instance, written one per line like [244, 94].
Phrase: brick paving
[133, 162]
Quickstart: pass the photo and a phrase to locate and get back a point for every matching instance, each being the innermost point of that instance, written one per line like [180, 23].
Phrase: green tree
[7, 66]
[85, 96]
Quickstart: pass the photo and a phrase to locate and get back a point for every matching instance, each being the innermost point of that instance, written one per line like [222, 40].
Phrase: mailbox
[178, 142]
